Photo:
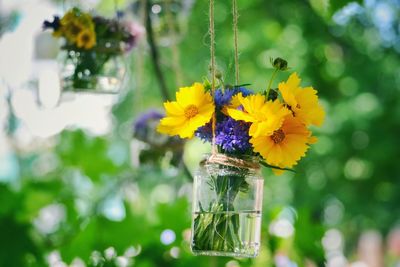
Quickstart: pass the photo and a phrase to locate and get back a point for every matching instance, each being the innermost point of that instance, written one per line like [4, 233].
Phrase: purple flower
[223, 97]
[146, 123]
[142, 121]
[55, 24]
[135, 31]
[204, 133]
[144, 129]
[232, 136]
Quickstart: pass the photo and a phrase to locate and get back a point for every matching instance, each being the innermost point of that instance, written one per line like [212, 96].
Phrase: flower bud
[279, 63]
[207, 85]
[218, 74]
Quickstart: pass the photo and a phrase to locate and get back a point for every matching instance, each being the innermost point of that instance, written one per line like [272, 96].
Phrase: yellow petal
[173, 121]
[293, 81]
[240, 115]
[312, 140]
[173, 108]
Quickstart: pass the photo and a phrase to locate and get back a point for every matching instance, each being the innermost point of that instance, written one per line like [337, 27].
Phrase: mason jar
[91, 71]
[227, 205]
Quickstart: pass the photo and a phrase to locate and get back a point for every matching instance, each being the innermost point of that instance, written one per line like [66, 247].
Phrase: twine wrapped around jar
[224, 159]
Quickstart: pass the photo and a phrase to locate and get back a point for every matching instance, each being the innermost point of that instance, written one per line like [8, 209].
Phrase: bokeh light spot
[167, 237]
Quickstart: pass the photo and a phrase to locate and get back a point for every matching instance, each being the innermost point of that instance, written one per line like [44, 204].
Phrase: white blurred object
[394, 242]
[17, 47]
[281, 260]
[333, 244]
[113, 208]
[167, 237]
[110, 253]
[282, 228]
[337, 261]
[333, 241]
[77, 262]
[90, 112]
[358, 264]
[370, 249]
[50, 217]
[49, 88]
[54, 259]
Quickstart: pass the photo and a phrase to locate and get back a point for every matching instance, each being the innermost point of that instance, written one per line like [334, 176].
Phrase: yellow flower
[73, 23]
[193, 108]
[86, 39]
[72, 30]
[58, 33]
[67, 18]
[303, 102]
[266, 117]
[285, 146]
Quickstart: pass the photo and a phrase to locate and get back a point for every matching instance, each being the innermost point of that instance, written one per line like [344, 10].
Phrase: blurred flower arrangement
[248, 128]
[156, 145]
[93, 46]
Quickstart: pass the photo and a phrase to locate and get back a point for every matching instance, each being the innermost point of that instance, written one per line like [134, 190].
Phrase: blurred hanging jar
[227, 204]
[93, 50]
[169, 18]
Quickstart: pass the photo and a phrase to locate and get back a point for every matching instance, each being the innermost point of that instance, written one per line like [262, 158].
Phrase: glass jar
[91, 71]
[227, 205]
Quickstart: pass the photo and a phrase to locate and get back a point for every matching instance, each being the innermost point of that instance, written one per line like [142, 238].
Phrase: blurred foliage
[349, 180]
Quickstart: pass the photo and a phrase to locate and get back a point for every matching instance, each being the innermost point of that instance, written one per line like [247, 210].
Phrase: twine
[235, 37]
[235, 16]
[212, 63]
[116, 8]
[223, 159]
[174, 45]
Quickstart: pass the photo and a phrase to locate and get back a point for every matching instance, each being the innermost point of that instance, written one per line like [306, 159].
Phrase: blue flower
[144, 129]
[55, 24]
[204, 133]
[232, 136]
[223, 97]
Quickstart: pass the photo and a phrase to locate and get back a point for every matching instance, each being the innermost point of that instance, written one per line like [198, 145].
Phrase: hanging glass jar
[93, 49]
[227, 205]
[91, 71]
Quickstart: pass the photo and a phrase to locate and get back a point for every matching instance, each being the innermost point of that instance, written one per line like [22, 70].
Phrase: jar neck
[242, 161]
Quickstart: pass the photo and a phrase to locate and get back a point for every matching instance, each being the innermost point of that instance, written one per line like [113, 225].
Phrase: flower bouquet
[248, 129]
[93, 48]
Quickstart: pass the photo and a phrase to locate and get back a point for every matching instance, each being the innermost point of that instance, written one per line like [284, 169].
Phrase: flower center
[191, 111]
[85, 38]
[278, 136]
[75, 29]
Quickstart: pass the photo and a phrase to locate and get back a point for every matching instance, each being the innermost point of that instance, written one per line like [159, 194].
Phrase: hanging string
[139, 60]
[174, 44]
[235, 37]
[116, 9]
[213, 70]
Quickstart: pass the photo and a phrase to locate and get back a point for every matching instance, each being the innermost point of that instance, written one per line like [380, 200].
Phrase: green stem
[218, 228]
[270, 82]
